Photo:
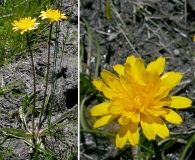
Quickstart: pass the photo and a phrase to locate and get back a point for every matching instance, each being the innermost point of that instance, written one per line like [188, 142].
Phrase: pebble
[176, 52]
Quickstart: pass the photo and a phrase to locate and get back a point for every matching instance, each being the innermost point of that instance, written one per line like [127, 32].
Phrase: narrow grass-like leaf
[98, 132]
[1, 154]
[18, 133]
[82, 114]
[108, 11]
[98, 56]
[90, 41]
[81, 56]
[188, 149]
[169, 143]
[61, 118]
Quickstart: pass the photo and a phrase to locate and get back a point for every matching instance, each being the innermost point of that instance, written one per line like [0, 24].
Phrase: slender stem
[135, 152]
[156, 150]
[34, 85]
[46, 84]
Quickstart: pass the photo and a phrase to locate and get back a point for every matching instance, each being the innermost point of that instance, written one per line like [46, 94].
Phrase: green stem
[34, 85]
[156, 150]
[46, 84]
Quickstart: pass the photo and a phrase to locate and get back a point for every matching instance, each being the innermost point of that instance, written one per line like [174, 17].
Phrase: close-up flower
[52, 15]
[24, 24]
[139, 98]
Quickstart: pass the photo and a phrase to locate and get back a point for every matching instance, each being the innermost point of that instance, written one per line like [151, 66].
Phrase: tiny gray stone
[176, 52]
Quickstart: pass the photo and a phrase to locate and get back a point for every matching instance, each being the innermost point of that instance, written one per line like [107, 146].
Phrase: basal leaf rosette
[138, 96]
[24, 24]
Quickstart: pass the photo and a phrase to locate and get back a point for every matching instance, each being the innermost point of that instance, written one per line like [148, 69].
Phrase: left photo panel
[39, 79]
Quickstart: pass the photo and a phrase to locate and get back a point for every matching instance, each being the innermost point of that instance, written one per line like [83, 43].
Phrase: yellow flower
[24, 24]
[138, 96]
[52, 15]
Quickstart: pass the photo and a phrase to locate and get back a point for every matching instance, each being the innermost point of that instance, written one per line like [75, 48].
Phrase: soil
[17, 80]
[146, 29]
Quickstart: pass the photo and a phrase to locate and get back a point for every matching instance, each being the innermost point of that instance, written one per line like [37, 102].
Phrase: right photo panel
[137, 80]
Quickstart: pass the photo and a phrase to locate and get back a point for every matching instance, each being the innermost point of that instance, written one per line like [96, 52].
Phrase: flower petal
[121, 105]
[100, 109]
[180, 102]
[156, 111]
[172, 116]
[131, 60]
[111, 80]
[119, 69]
[160, 127]
[103, 120]
[108, 92]
[133, 134]
[139, 69]
[121, 137]
[123, 120]
[133, 115]
[98, 84]
[157, 66]
[147, 126]
[162, 92]
[171, 79]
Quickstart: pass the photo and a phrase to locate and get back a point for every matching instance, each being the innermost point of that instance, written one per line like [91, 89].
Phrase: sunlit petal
[160, 127]
[119, 69]
[147, 126]
[180, 102]
[98, 84]
[110, 78]
[131, 60]
[157, 66]
[171, 79]
[100, 109]
[103, 120]
[133, 134]
[121, 137]
[172, 116]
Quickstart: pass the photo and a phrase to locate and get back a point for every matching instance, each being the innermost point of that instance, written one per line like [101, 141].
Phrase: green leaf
[188, 149]
[170, 142]
[18, 133]
[1, 154]
[57, 123]
[83, 122]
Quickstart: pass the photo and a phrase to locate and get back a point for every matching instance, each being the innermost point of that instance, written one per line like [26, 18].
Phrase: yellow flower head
[52, 15]
[138, 96]
[24, 24]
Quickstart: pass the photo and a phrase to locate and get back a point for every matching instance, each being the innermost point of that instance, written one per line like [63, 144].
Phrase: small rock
[176, 52]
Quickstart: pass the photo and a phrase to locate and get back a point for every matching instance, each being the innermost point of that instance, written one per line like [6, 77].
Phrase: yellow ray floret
[138, 96]
[24, 24]
[52, 15]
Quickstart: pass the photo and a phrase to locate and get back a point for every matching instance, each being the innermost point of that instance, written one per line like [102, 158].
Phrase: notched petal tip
[172, 116]
[119, 69]
[157, 66]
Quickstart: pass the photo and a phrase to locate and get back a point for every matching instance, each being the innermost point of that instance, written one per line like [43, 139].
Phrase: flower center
[25, 23]
[53, 14]
[137, 101]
